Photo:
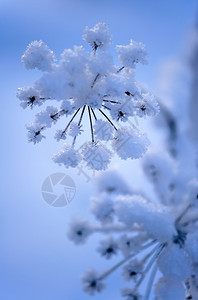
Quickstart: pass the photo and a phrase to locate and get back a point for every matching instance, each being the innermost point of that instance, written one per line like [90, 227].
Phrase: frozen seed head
[130, 143]
[90, 91]
[108, 248]
[132, 270]
[91, 283]
[132, 54]
[68, 157]
[79, 230]
[38, 55]
[98, 36]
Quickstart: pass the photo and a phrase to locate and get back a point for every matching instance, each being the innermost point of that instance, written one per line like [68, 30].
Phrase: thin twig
[79, 122]
[71, 120]
[120, 69]
[58, 114]
[106, 107]
[95, 79]
[112, 101]
[107, 119]
[94, 114]
[91, 125]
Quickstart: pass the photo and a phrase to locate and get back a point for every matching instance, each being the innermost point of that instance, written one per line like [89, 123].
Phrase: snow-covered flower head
[38, 55]
[130, 144]
[131, 54]
[91, 283]
[98, 36]
[108, 248]
[79, 230]
[34, 133]
[132, 270]
[89, 85]
[147, 106]
[67, 156]
[29, 96]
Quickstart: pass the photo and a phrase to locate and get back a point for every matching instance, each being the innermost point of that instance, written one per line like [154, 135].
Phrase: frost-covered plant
[158, 240]
[84, 82]
[156, 230]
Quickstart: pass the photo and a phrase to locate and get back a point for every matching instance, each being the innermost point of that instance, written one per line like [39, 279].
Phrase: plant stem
[120, 69]
[95, 79]
[107, 118]
[106, 107]
[150, 282]
[105, 274]
[94, 114]
[161, 247]
[183, 213]
[91, 125]
[79, 122]
[71, 120]
[112, 101]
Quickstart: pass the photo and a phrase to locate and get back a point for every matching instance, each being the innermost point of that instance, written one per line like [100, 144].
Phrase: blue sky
[37, 261]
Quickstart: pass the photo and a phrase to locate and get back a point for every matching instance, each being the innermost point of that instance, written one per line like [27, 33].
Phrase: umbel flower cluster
[158, 240]
[89, 83]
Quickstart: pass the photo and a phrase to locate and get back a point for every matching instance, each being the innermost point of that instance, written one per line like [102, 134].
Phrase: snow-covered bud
[68, 156]
[79, 230]
[91, 283]
[108, 248]
[29, 96]
[132, 270]
[47, 117]
[38, 55]
[98, 36]
[130, 144]
[147, 106]
[34, 132]
[132, 54]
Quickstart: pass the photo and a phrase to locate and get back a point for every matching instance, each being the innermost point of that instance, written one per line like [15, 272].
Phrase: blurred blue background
[37, 262]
